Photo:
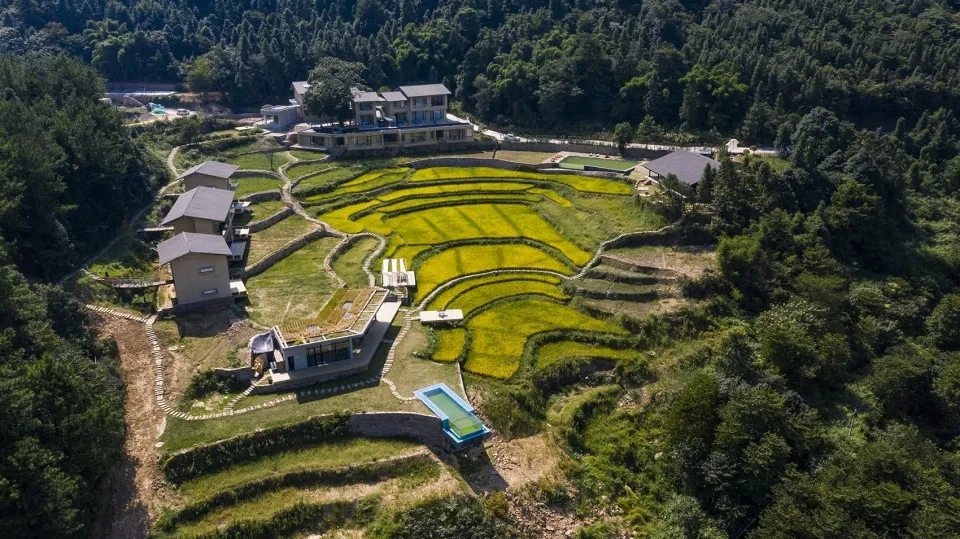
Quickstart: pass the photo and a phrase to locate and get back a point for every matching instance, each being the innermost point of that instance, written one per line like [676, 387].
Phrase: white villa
[410, 116]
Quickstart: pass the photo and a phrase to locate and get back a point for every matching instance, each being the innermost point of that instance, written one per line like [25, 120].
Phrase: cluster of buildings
[204, 239]
[407, 117]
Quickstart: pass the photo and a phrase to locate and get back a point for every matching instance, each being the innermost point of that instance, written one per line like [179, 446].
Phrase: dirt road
[136, 486]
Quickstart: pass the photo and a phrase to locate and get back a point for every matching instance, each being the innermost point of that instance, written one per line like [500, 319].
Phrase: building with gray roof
[686, 166]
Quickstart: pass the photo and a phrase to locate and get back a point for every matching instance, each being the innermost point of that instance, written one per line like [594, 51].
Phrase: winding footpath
[288, 200]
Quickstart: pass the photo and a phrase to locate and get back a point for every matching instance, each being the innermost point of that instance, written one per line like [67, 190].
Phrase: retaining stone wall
[462, 162]
[263, 389]
[284, 252]
[637, 153]
[268, 222]
[264, 195]
[427, 429]
[255, 173]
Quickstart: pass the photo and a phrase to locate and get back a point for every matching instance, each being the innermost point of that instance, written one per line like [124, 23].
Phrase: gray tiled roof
[686, 166]
[201, 203]
[423, 90]
[212, 168]
[300, 86]
[393, 96]
[189, 242]
[359, 96]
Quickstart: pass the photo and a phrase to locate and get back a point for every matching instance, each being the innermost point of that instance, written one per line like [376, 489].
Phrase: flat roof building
[686, 166]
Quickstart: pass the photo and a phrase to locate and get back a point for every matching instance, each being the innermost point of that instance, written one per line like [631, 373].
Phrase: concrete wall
[192, 224]
[427, 429]
[190, 283]
[636, 153]
[196, 179]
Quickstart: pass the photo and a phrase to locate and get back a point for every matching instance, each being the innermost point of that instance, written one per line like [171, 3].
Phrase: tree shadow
[124, 515]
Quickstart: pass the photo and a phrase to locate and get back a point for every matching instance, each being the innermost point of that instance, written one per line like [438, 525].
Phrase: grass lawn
[256, 184]
[299, 170]
[499, 334]
[307, 155]
[529, 158]
[128, 257]
[330, 176]
[411, 372]
[553, 352]
[777, 163]
[464, 259]
[294, 288]
[258, 212]
[259, 161]
[349, 265]
[586, 184]
[333, 454]
[576, 162]
[267, 241]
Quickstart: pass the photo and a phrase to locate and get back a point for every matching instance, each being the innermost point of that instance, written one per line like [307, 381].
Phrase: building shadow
[476, 468]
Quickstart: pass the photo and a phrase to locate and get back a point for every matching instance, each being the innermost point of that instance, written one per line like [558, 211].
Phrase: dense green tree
[331, 89]
[623, 133]
[943, 324]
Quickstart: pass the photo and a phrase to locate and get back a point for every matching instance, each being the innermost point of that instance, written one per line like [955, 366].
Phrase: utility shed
[686, 166]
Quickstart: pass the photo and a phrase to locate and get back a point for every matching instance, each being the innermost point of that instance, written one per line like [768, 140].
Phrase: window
[210, 292]
[207, 269]
[328, 353]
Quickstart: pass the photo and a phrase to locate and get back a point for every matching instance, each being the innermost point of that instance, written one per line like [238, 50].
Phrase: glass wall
[328, 353]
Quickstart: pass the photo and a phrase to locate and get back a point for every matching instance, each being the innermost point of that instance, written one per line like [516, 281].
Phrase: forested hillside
[69, 170]
[557, 64]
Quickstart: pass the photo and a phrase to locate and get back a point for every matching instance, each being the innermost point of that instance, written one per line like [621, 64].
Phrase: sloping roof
[300, 86]
[422, 90]
[360, 96]
[212, 168]
[189, 242]
[393, 96]
[686, 166]
[201, 203]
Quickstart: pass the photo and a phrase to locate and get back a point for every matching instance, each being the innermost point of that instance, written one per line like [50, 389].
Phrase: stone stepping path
[114, 312]
[407, 323]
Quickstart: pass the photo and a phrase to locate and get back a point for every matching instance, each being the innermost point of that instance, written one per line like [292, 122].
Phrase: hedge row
[368, 472]
[205, 459]
[313, 517]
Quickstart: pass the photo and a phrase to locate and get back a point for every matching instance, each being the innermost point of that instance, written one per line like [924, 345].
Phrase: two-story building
[203, 244]
[209, 174]
[200, 269]
[409, 116]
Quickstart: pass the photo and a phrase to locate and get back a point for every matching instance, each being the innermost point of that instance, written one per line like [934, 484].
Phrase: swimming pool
[459, 419]
[577, 162]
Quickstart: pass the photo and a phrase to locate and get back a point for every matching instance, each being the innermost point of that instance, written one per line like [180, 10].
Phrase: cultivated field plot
[270, 240]
[258, 212]
[451, 223]
[295, 288]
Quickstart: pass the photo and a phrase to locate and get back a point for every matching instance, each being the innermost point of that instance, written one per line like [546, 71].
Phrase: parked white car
[183, 112]
[511, 138]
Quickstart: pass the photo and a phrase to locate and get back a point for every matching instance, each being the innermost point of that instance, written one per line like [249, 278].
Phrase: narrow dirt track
[136, 485]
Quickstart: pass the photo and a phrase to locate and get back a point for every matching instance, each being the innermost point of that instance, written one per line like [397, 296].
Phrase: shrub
[207, 382]
[459, 516]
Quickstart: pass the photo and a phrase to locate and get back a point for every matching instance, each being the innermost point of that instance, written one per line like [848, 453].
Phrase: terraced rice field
[365, 182]
[586, 184]
[551, 353]
[267, 241]
[498, 335]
